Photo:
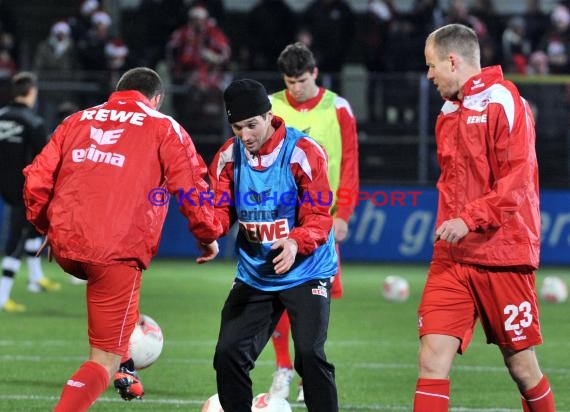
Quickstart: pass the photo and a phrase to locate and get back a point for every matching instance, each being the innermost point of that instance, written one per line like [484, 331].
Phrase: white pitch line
[191, 361]
[148, 401]
[212, 343]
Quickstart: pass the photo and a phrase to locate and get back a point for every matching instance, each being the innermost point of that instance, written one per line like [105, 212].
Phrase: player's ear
[453, 61]
[156, 101]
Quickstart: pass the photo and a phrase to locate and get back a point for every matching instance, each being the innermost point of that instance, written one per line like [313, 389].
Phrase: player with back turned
[88, 190]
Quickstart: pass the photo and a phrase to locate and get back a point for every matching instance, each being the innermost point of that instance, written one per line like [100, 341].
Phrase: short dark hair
[296, 59]
[141, 79]
[22, 83]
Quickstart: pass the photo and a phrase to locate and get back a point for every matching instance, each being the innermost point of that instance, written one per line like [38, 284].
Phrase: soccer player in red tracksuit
[99, 190]
[488, 225]
[327, 118]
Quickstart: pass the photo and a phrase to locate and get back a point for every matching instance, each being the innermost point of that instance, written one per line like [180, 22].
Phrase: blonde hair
[456, 38]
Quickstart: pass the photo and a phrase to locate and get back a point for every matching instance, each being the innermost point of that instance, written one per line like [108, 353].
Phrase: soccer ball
[396, 289]
[265, 403]
[212, 404]
[146, 342]
[554, 290]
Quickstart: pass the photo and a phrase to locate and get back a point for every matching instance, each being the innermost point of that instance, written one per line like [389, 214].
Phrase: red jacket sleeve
[314, 221]
[40, 177]
[222, 180]
[349, 177]
[177, 153]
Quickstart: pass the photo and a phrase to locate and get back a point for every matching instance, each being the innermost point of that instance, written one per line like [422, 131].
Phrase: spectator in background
[117, 54]
[556, 42]
[8, 62]
[486, 12]
[516, 46]
[23, 137]
[538, 63]
[271, 25]
[427, 15]
[56, 53]
[163, 16]
[332, 25]
[8, 65]
[8, 52]
[216, 10]
[92, 49]
[459, 13]
[536, 22]
[373, 38]
[198, 56]
[81, 24]
[55, 60]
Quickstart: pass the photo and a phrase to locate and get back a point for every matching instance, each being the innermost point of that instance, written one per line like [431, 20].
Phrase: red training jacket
[90, 189]
[489, 174]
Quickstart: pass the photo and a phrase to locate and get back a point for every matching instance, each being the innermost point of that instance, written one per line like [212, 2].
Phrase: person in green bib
[328, 119]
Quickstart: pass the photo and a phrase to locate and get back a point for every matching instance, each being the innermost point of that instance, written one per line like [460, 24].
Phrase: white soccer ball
[265, 403]
[146, 342]
[396, 289]
[554, 289]
[212, 404]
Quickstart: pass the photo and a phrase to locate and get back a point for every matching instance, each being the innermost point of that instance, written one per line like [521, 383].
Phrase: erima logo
[307, 131]
[477, 83]
[477, 119]
[105, 136]
[75, 384]
[97, 156]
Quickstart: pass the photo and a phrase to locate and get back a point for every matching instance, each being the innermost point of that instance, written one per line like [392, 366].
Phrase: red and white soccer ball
[395, 289]
[212, 404]
[554, 289]
[146, 342]
[265, 403]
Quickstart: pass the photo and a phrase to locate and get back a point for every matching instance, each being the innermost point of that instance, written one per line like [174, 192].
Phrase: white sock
[6, 284]
[35, 272]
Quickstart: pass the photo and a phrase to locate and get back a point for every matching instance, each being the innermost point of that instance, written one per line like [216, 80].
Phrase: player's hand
[285, 259]
[340, 227]
[209, 251]
[43, 246]
[452, 230]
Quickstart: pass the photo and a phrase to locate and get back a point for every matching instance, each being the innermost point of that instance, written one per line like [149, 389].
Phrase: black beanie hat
[245, 98]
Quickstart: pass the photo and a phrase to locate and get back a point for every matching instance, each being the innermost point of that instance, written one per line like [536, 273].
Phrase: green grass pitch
[373, 344]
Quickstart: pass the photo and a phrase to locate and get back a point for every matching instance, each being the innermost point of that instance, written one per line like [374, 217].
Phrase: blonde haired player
[488, 225]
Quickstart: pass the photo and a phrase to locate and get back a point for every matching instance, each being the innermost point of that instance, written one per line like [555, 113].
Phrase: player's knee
[307, 357]
[433, 364]
[226, 354]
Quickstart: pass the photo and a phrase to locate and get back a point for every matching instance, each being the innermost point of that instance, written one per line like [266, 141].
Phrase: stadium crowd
[201, 44]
